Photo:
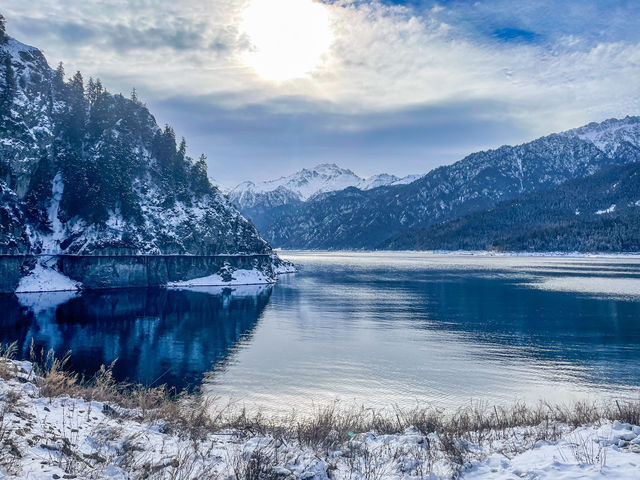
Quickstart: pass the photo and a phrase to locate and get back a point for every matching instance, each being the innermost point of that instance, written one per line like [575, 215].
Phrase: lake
[377, 329]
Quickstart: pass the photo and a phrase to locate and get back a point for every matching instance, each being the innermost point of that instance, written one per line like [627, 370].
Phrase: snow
[51, 243]
[69, 437]
[586, 453]
[45, 278]
[239, 277]
[284, 268]
[14, 47]
[322, 178]
[611, 209]
[408, 179]
[610, 134]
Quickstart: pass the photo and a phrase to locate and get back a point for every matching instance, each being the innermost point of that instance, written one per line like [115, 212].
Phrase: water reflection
[401, 329]
[158, 335]
[377, 329]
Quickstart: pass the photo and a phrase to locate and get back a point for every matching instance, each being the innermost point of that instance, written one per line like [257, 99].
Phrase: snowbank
[238, 277]
[44, 278]
[72, 438]
[284, 268]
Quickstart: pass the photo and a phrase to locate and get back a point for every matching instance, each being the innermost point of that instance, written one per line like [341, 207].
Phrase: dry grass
[327, 426]
[194, 417]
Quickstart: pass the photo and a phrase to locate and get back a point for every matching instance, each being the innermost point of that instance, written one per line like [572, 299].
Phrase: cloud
[421, 82]
[280, 133]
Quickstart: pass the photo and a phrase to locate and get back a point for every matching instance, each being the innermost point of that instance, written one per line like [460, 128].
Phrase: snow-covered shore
[45, 277]
[237, 277]
[63, 437]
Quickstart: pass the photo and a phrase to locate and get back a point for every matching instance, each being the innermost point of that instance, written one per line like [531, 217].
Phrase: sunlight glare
[289, 38]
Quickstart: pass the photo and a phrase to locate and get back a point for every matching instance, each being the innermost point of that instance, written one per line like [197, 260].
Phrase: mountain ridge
[598, 213]
[364, 220]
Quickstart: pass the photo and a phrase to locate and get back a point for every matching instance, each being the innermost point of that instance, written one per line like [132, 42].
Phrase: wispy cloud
[401, 77]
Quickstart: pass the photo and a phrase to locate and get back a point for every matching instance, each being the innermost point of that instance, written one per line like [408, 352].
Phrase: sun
[288, 38]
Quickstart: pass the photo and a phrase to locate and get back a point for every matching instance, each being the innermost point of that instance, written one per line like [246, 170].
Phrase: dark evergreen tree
[3, 30]
[59, 75]
[77, 113]
[134, 96]
[8, 92]
[199, 177]
[92, 91]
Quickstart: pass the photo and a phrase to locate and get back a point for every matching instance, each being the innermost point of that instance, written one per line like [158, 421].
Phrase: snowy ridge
[307, 183]
[610, 134]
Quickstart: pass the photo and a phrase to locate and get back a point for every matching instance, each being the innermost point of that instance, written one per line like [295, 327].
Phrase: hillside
[86, 171]
[355, 219]
[600, 213]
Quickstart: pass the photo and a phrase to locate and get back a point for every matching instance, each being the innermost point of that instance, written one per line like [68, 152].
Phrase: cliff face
[83, 171]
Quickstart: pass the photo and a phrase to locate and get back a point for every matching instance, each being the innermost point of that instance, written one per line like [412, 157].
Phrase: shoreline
[56, 427]
[471, 253]
[61, 273]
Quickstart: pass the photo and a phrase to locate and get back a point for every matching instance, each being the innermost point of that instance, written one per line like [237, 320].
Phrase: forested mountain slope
[600, 213]
[356, 219]
[83, 171]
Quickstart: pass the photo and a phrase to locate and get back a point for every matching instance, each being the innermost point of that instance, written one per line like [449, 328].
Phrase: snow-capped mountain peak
[309, 182]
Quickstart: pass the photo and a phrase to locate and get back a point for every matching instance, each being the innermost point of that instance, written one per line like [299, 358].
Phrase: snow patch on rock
[238, 277]
[611, 209]
[45, 278]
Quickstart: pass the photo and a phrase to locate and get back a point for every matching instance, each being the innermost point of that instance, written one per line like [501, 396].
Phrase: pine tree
[134, 96]
[99, 88]
[77, 85]
[6, 98]
[91, 91]
[58, 81]
[3, 30]
[59, 75]
[199, 177]
[77, 110]
[182, 150]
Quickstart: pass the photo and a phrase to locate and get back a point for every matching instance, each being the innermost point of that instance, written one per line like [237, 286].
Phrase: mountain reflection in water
[158, 336]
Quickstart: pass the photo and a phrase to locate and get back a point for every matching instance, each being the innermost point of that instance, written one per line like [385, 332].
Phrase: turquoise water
[378, 329]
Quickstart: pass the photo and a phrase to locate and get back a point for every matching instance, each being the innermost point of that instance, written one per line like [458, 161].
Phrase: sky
[267, 87]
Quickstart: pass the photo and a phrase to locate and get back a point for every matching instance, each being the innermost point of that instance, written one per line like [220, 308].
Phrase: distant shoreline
[475, 253]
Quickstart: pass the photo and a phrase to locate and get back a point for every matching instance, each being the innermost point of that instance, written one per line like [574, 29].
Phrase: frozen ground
[45, 438]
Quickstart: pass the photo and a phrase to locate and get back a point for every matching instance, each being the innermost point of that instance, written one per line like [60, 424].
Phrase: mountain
[355, 219]
[84, 171]
[261, 201]
[599, 213]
